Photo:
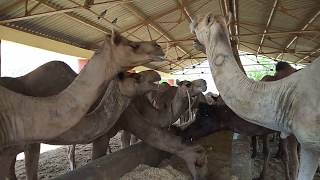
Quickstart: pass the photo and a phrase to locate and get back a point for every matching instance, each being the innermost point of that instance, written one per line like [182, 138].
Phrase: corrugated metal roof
[165, 22]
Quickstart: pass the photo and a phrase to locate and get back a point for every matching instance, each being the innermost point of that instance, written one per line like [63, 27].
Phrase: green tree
[268, 69]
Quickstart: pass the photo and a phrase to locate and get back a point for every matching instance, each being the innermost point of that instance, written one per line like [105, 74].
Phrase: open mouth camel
[152, 125]
[290, 105]
[26, 119]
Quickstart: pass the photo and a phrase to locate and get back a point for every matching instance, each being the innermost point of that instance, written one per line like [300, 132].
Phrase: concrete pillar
[241, 158]
[219, 150]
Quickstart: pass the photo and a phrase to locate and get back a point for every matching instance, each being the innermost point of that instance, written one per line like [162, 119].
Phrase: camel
[26, 119]
[153, 126]
[162, 98]
[113, 102]
[290, 105]
[214, 118]
[289, 157]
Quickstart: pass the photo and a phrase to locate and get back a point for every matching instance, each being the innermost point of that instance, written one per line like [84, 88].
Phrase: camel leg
[125, 139]
[285, 157]
[100, 146]
[279, 153]
[12, 173]
[266, 153]
[194, 156]
[71, 157]
[254, 146]
[32, 153]
[6, 157]
[308, 163]
[293, 157]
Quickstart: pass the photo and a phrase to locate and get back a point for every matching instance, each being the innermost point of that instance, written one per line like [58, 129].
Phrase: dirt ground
[276, 170]
[54, 163]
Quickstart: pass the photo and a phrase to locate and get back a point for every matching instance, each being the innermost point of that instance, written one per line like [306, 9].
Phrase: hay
[145, 172]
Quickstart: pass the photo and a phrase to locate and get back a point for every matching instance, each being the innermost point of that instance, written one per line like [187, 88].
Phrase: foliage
[267, 69]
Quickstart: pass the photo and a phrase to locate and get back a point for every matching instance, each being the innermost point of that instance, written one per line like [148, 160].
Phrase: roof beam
[274, 7]
[56, 11]
[80, 19]
[152, 18]
[38, 15]
[308, 56]
[135, 11]
[311, 20]
[114, 26]
[185, 10]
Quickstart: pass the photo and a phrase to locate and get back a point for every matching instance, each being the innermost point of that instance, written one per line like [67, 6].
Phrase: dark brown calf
[214, 118]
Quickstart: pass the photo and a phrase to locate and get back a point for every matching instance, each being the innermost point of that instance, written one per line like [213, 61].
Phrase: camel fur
[290, 105]
[64, 113]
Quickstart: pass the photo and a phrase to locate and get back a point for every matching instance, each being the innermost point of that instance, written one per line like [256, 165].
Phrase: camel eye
[188, 85]
[157, 45]
[135, 46]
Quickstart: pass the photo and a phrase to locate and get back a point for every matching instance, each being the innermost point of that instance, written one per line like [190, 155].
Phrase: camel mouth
[157, 57]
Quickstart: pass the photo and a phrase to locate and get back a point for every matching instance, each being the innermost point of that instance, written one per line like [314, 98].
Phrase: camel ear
[115, 37]
[209, 19]
[178, 82]
[228, 18]
[193, 24]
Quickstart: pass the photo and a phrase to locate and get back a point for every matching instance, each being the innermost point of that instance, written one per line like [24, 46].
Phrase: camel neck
[92, 80]
[98, 122]
[254, 101]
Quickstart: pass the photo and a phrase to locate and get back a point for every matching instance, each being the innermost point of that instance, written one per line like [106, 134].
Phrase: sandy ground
[54, 163]
[276, 170]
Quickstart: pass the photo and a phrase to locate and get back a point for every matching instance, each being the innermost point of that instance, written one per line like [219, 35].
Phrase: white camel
[290, 105]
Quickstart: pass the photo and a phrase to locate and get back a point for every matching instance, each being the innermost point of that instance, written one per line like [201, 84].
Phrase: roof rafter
[185, 10]
[311, 20]
[134, 10]
[79, 19]
[153, 18]
[55, 11]
[308, 56]
[274, 7]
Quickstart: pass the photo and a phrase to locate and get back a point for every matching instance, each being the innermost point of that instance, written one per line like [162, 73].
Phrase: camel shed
[286, 30]
[283, 30]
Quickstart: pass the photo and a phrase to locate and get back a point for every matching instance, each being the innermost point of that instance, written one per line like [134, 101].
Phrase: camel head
[133, 84]
[127, 54]
[204, 124]
[283, 69]
[194, 88]
[205, 26]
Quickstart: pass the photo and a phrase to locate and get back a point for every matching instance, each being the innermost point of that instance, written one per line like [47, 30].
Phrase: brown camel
[26, 119]
[214, 118]
[113, 102]
[152, 125]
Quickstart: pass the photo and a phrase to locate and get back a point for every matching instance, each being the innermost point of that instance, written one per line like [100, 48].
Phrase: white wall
[18, 59]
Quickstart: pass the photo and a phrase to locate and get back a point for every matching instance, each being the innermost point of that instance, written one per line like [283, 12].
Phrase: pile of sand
[145, 172]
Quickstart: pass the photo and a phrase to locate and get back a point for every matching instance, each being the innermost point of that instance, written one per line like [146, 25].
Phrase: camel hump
[48, 79]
